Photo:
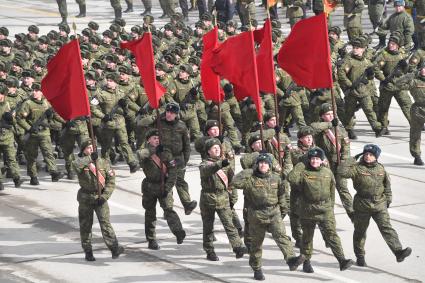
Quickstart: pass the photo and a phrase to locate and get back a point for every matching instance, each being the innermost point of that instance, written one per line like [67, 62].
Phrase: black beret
[316, 152]
[172, 107]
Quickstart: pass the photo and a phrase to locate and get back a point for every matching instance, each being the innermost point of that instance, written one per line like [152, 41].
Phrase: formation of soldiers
[277, 178]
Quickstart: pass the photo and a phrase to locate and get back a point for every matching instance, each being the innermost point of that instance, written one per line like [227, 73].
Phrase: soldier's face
[2, 96]
[213, 132]
[214, 151]
[307, 140]
[423, 72]
[153, 141]
[399, 9]
[6, 49]
[37, 94]
[123, 77]
[358, 51]
[392, 46]
[32, 34]
[257, 146]
[271, 123]
[111, 84]
[183, 75]
[316, 162]
[263, 167]
[90, 82]
[170, 116]
[328, 116]
[369, 157]
[28, 81]
[88, 150]
[2, 36]
[333, 35]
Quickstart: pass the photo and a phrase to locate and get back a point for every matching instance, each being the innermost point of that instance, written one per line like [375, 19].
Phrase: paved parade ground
[39, 231]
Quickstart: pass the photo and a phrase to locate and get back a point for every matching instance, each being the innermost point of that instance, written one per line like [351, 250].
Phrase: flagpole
[338, 157]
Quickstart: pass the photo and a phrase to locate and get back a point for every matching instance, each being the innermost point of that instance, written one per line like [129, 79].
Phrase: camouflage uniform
[246, 11]
[353, 17]
[294, 12]
[375, 10]
[402, 23]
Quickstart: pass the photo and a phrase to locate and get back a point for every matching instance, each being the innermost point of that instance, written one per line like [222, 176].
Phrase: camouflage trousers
[327, 226]
[68, 140]
[116, 4]
[31, 152]
[9, 156]
[375, 11]
[257, 230]
[120, 134]
[182, 187]
[85, 217]
[62, 8]
[246, 12]
[151, 194]
[295, 111]
[403, 99]
[354, 32]
[366, 104]
[208, 217]
[294, 218]
[417, 114]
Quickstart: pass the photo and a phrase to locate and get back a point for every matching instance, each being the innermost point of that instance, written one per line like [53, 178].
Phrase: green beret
[85, 144]
[28, 73]
[36, 86]
[91, 75]
[124, 69]
[12, 81]
[186, 68]
[4, 31]
[93, 25]
[268, 115]
[5, 43]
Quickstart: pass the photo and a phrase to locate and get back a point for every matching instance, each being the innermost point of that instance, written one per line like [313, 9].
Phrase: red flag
[235, 60]
[329, 6]
[143, 51]
[265, 63]
[64, 85]
[305, 54]
[210, 81]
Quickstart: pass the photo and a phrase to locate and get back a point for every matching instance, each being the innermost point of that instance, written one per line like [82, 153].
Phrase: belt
[263, 207]
[374, 198]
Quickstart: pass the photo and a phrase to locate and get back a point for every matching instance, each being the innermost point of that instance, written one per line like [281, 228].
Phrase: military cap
[20, 36]
[232, 23]
[200, 24]
[399, 3]
[177, 17]
[121, 22]
[108, 33]
[115, 27]
[36, 86]
[34, 29]
[87, 32]
[221, 25]
[5, 43]
[53, 35]
[211, 123]
[4, 67]
[194, 60]
[211, 142]
[316, 152]
[28, 73]
[268, 115]
[91, 75]
[64, 27]
[171, 59]
[373, 149]
[324, 108]
[186, 68]
[161, 66]
[93, 25]
[85, 144]
[358, 42]
[244, 28]
[206, 17]
[156, 41]
[152, 132]
[94, 40]
[148, 19]
[253, 138]
[18, 62]
[172, 107]
[43, 40]
[336, 30]
[4, 31]
[39, 62]
[3, 89]
[12, 81]
[304, 131]
[115, 43]
[85, 54]
[125, 37]
[276, 24]
[394, 38]
[169, 27]
[111, 57]
[136, 29]
[113, 77]
[98, 64]
[264, 157]
[179, 25]
[124, 69]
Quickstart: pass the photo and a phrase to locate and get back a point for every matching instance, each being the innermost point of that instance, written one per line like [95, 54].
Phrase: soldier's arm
[319, 127]
[295, 176]
[405, 82]
[359, 6]
[246, 162]
[342, 75]
[80, 163]
[170, 163]
[208, 168]
[387, 188]
[409, 29]
[186, 144]
[283, 199]
[22, 116]
[239, 180]
[199, 144]
[378, 66]
[333, 188]
[345, 144]
[347, 169]
[142, 155]
[109, 180]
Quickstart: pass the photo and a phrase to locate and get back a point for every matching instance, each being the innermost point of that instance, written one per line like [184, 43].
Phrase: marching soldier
[89, 201]
[353, 17]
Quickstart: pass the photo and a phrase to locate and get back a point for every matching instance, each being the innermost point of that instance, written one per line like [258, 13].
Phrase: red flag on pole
[235, 60]
[143, 51]
[305, 54]
[64, 85]
[265, 63]
[210, 81]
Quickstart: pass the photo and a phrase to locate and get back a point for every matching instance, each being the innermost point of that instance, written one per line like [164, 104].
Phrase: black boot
[361, 261]
[70, 175]
[344, 264]
[146, 12]
[1, 186]
[307, 268]
[117, 251]
[401, 255]
[89, 256]
[258, 275]
[153, 245]
[418, 161]
[240, 251]
[190, 207]
[64, 22]
[295, 261]
[56, 176]
[212, 256]
[380, 133]
[381, 43]
[163, 16]
[18, 182]
[351, 135]
[34, 181]
[180, 235]
[129, 8]
[82, 13]
[118, 14]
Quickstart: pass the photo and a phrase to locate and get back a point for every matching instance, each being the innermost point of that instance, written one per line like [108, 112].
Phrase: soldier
[93, 172]
[176, 139]
[63, 10]
[401, 22]
[316, 185]
[265, 193]
[246, 11]
[420, 23]
[294, 11]
[116, 5]
[390, 63]
[33, 117]
[151, 158]
[216, 174]
[353, 17]
[6, 54]
[7, 147]
[355, 76]
[376, 12]
[372, 200]
[148, 7]
[112, 103]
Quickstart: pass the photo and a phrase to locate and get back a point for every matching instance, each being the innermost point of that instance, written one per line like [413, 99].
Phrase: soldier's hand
[277, 129]
[49, 113]
[225, 162]
[106, 118]
[123, 102]
[159, 149]
[193, 92]
[370, 73]
[70, 124]
[335, 122]
[8, 117]
[100, 201]
[94, 156]
[183, 106]
[164, 194]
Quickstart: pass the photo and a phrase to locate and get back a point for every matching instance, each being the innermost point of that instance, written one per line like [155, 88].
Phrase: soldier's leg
[202, 7]
[251, 10]
[85, 218]
[243, 13]
[307, 238]
[298, 115]
[208, 215]
[68, 142]
[367, 105]
[353, 32]
[193, 126]
[106, 142]
[149, 204]
[416, 127]
[116, 5]
[277, 229]
[328, 229]
[210, 5]
[46, 151]
[182, 187]
[148, 5]
[225, 215]
[31, 153]
[108, 233]
[294, 218]
[169, 7]
[184, 7]
[126, 151]
[246, 236]
[375, 12]
[235, 112]
[350, 109]
[229, 127]
[403, 99]
[201, 114]
[63, 11]
[9, 154]
[361, 223]
[384, 103]
[382, 219]
[257, 232]
[170, 214]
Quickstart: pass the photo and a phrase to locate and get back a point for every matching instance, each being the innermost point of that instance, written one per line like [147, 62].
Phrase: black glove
[106, 118]
[369, 73]
[183, 106]
[34, 130]
[8, 117]
[402, 64]
[225, 162]
[70, 124]
[193, 92]
[122, 103]
[277, 129]
[335, 122]
[228, 88]
[164, 194]
[49, 113]
[100, 201]
[365, 81]
[342, 52]
[94, 156]
[159, 149]
[220, 138]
